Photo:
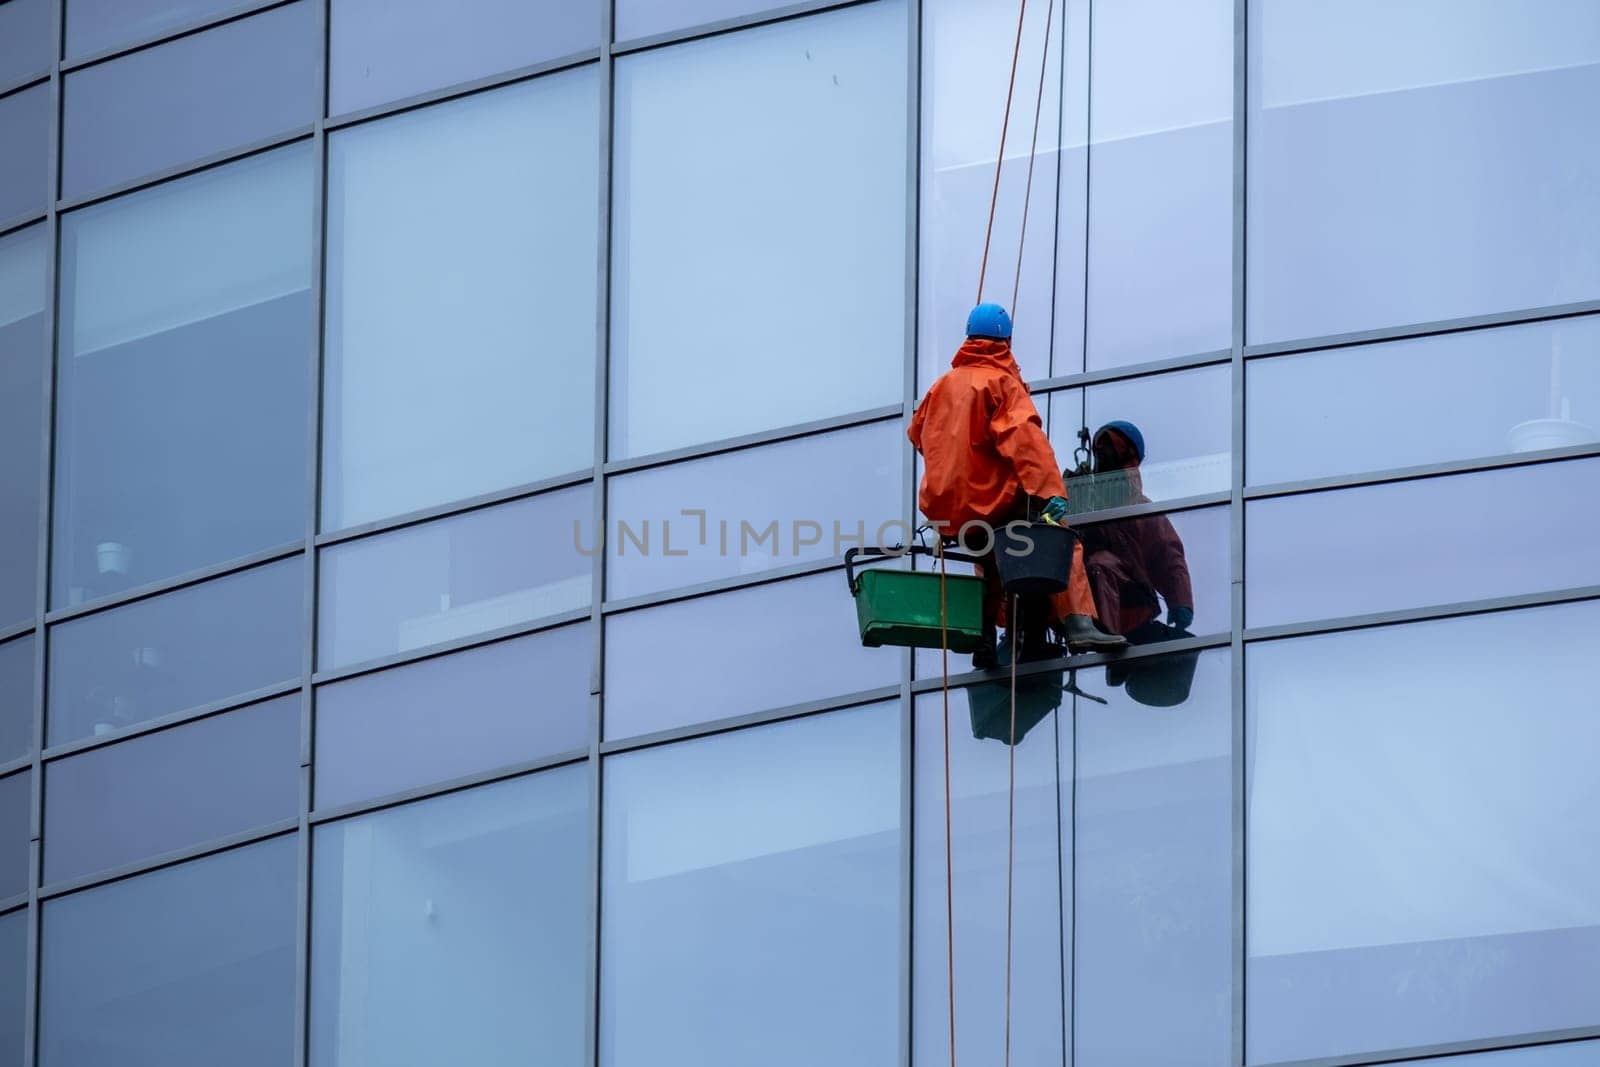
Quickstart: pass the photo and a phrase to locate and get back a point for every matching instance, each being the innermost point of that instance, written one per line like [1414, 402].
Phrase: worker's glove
[1179, 618]
[1055, 509]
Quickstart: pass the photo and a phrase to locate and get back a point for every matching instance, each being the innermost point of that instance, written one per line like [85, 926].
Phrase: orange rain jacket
[983, 447]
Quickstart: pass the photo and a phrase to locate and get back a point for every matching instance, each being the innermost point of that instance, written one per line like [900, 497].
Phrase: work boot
[1082, 635]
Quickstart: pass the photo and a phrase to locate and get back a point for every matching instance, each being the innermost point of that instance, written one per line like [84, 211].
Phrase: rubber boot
[1082, 635]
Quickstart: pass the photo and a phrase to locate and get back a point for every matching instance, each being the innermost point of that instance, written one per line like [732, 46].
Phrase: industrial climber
[988, 462]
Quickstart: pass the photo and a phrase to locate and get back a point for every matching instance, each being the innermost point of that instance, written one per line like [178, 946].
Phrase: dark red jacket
[1150, 557]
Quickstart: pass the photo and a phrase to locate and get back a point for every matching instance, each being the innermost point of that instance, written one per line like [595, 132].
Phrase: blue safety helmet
[1128, 430]
[989, 320]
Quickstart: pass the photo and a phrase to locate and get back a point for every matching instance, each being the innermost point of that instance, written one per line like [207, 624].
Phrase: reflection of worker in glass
[985, 457]
[1133, 561]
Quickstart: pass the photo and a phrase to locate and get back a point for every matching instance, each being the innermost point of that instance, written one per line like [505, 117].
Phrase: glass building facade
[430, 435]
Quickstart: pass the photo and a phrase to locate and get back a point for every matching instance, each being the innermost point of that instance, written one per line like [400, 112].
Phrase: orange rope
[1005, 124]
[949, 872]
[1011, 810]
[1033, 152]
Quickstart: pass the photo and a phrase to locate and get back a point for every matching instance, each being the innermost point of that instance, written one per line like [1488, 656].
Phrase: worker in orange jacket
[986, 457]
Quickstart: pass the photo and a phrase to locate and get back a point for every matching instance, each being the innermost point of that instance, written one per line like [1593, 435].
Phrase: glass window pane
[16, 698]
[24, 166]
[456, 577]
[13, 985]
[843, 488]
[455, 930]
[16, 808]
[137, 799]
[1161, 180]
[1421, 819]
[764, 647]
[180, 650]
[23, 358]
[25, 39]
[225, 88]
[966, 53]
[186, 965]
[445, 385]
[1511, 389]
[751, 897]
[96, 25]
[185, 338]
[453, 715]
[1468, 537]
[809, 299]
[1419, 163]
[1567, 1054]
[388, 49]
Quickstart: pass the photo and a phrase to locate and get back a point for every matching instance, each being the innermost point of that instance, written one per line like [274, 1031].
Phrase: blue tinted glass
[1512, 389]
[16, 806]
[23, 358]
[225, 88]
[751, 897]
[1160, 180]
[454, 715]
[641, 18]
[961, 100]
[201, 644]
[858, 501]
[13, 985]
[96, 25]
[1426, 161]
[16, 698]
[1421, 824]
[181, 405]
[442, 386]
[24, 166]
[191, 964]
[808, 318]
[764, 647]
[387, 49]
[457, 577]
[1422, 543]
[1569, 1054]
[137, 799]
[25, 39]
[455, 930]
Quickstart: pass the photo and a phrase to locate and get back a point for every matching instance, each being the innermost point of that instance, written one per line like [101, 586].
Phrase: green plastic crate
[901, 608]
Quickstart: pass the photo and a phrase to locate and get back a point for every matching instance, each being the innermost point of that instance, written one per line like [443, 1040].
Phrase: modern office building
[430, 432]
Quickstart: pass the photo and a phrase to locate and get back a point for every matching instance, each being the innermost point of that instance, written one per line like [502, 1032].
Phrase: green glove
[1179, 618]
[1055, 509]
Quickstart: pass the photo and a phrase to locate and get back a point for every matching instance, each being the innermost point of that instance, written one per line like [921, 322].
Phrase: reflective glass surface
[23, 359]
[455, 930]
[1414, 544]
[24, 166]
[846, 484]
[16, 698]
[16, 806]
[750, 897]
[1160, 180]
[383, 50]
[467, 574]
[185, 339]
[1567, 1054]
[765, 647]
[453, 715]
[191, 964]
[96, 25]
[169, 790]
[142, 113]
[1421, 860]
[966, 49]
[642, 18]
[1419, 162]
[460, 343]
[25, 39]
[729, 181]
[13, 984]
[1185, 419]
[180, 650]
[1427, 400]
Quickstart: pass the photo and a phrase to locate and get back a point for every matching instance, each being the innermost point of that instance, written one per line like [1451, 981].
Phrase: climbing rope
[949, 875]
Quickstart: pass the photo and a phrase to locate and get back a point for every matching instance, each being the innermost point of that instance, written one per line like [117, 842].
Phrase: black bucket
[1034, 558]
[1161, 682]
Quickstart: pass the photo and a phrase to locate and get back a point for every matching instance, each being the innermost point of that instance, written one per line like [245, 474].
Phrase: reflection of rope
[999, 158]
[1033, 151]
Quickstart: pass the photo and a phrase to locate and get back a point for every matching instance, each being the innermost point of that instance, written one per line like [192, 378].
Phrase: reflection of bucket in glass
[1535, 435]
[113, 557]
